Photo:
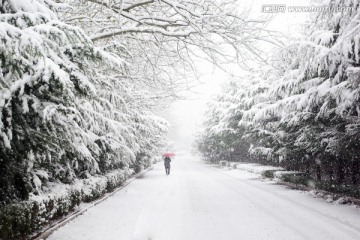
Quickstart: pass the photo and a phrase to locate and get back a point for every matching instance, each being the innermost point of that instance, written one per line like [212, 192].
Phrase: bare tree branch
[163, 35]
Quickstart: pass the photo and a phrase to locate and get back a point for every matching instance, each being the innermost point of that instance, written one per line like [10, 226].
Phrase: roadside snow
[255, 168]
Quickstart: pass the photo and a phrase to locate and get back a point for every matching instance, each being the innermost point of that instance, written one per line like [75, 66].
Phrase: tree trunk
[331, 172]
[307, 166]
[341, 173]
[355, 171]
[318, 172]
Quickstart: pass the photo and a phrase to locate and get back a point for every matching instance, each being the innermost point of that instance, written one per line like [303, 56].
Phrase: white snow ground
[202, 202]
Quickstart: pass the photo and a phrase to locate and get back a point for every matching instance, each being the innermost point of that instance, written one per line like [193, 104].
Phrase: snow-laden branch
[142, 30]
[214, 23]
[129, 7]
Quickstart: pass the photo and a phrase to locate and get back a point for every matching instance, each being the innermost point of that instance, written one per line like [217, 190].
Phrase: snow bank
[279, 174]
[19, 220]
[256, 168]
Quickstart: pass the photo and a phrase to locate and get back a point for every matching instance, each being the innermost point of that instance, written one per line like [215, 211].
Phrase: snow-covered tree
[316, 102]
[308, 117]
[67, 108]
[221, 136]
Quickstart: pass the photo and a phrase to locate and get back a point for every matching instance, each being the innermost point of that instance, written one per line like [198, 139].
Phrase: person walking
[167, 161]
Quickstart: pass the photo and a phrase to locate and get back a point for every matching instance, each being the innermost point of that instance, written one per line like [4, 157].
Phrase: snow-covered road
[201, 202]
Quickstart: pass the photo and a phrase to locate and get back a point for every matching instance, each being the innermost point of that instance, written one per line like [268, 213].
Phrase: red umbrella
[168, 154]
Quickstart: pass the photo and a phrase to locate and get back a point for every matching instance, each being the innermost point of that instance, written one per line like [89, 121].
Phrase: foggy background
[185, 116]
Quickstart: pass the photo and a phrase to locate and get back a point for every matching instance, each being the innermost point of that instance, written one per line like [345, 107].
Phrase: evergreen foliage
[67, 108]
[302, 114]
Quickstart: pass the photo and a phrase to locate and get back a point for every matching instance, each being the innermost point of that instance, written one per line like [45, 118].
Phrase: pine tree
[67, 108]
[308, 116]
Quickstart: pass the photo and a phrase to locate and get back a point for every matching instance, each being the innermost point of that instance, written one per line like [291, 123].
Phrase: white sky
[185, 116]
